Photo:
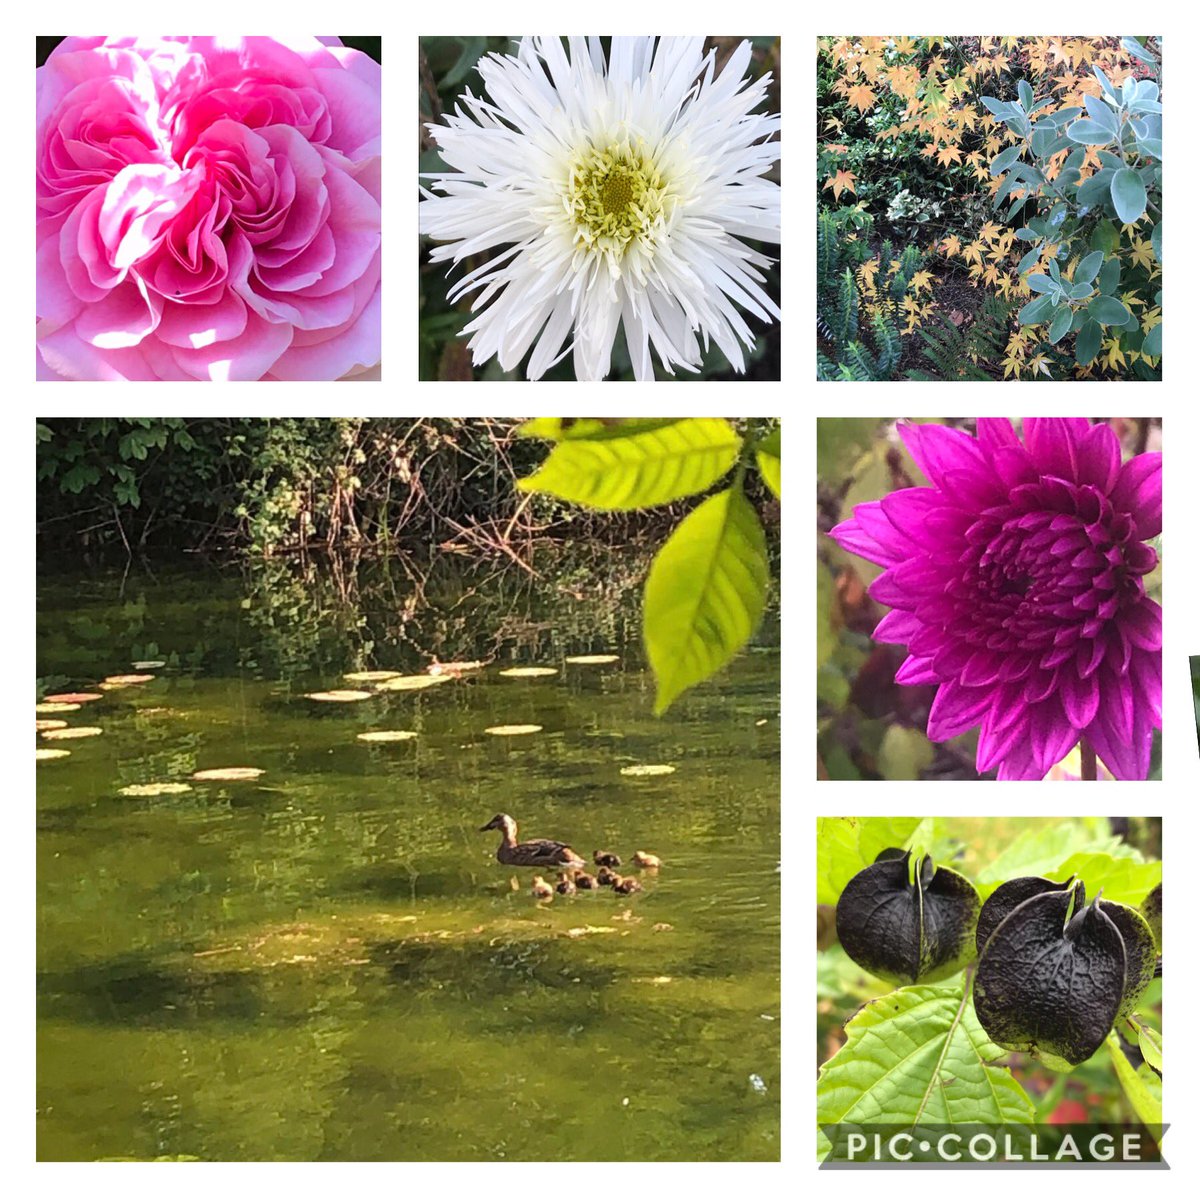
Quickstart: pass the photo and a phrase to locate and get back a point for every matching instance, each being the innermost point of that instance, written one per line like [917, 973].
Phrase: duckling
[605, 858]
[606, 878]
[625, 884]
[649, 862]
[585, 882]
[565, 885]
[540, 889]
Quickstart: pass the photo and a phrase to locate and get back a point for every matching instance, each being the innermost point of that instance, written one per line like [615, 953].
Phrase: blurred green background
[447, 71]
[869, 726]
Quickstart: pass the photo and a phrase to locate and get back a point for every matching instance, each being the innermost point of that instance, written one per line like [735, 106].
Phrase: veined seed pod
[907, 926]
[1055, 972]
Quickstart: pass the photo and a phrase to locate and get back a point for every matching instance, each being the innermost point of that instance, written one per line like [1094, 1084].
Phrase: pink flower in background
[208, 208]
[1016, 584]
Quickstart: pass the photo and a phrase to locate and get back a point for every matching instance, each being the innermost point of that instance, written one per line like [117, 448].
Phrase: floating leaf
[227, 774]
[643, 770]
[75, 731]
[440, 669]
[148, 664]
[512, 730]
[45, 754]
[338, 696]
[370, 676]
[591, 660]
[387, 735]
[124, 680]
[412, 683]
[705, 593]
[155, 789]
[73, 698]
[56, 706]
[528, 672]
[50, 723]
[639, 469]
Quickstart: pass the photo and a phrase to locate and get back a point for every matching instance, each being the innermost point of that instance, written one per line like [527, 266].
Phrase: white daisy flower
[621, 190]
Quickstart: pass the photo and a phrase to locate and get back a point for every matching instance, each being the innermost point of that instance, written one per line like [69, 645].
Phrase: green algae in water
[334, 966]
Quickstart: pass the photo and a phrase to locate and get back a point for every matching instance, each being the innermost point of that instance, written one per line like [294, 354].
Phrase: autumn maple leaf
[843, 181]
[861, 96]
[949, 154]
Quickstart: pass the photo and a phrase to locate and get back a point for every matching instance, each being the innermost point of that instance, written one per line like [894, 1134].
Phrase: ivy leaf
[639, 468]
[919, 1055]
[705, 593]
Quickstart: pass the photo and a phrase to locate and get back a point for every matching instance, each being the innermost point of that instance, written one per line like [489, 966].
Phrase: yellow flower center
[615, 196]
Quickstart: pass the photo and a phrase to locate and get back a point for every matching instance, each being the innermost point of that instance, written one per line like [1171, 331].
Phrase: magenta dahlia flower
[207, 208]
[1016, 584]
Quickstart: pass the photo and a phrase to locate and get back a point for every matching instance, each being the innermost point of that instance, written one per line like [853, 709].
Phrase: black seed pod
[906, 931]
[1054, 972]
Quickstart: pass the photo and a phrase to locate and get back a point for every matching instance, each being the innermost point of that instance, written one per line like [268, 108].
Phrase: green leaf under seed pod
[1048, 985]
[1152, 911]
[908, 929]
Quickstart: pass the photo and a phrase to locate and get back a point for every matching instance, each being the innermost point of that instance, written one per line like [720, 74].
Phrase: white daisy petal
[613, 193]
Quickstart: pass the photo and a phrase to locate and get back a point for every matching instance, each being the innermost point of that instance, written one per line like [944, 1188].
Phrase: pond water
[328, 962]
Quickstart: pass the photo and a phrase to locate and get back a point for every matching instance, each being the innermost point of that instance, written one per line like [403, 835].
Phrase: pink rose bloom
[208, 208]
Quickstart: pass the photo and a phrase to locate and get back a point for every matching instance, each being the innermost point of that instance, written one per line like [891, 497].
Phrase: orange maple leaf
[861, 96]
[948, 155]
[843, 181]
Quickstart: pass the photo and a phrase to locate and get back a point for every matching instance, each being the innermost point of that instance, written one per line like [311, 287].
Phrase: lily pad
[57, 706]
[227, 774]
[155, 789]
[50, 723]
[528, 672]
[512, 730]
[72, 732]
[387, 735]
[455, 668]
[413, 683]
[148, 664]
[73, 697]
[592, 660]
[125, 680]
[643, 770]
[370, 676]
[45, 754]
[338, 696]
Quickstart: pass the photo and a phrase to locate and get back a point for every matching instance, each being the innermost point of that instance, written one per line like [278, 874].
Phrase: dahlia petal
[983, 669]
[1014, 466]
[915, 671]
[1053, 444]
[1142, 624]
[1080, 698]
[1053, 735]
[996, 433]
[1099, 457]
[995, 745]
[1138, 491]
[955, 710]
[897, 628]
[1039, 684]
[1146, 673]
[937, 449]
[1126, 756]
[885, 590]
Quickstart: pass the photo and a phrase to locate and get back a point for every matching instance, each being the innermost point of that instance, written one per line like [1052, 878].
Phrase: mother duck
[538, 853]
